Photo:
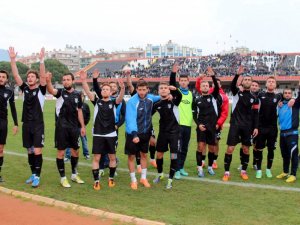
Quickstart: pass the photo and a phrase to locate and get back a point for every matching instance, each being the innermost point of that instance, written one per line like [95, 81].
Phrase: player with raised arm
[104, 130]
[69, 117]
[6, 96]
[34, 91]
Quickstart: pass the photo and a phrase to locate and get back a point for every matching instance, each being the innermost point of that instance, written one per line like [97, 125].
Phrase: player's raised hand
[175, 67]
[48, 77]
[127, 73]
[83, 75]
[121, 84]
[42, 55]
[210, 71]
[172, 88]
[240, 70]
[96, 73]
[12, 54]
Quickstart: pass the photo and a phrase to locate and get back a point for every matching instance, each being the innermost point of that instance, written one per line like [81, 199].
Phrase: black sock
[31, 162]
[61, 167]
[245, 161]
[227, 161]
[199, 158]
[38, 164]
[241, 155]
[203, 157]
[215, 157]
[138, 158]
[74, 162]
[152, 152]
[211, 156]
[159, 163]
[1, 162]
[96, 174]
[173, 167]
[101, 162]
[112, 171]
[255, 155]
[270, 158]
[259, 158]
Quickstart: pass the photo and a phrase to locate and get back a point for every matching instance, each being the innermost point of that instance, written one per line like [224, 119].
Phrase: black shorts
[267, 136]
[208, 136]
[3, 132]
[33, 135]
[104, 145]
[165, 140]
[67, 138]
[143, 146]
[239, 134]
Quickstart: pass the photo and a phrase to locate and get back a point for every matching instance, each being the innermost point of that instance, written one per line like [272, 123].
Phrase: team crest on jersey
[251, 100]
[66, 96]
[5, 95]
[169, 106]
[208, 99]
[34, 93]
[76, 100]
[274, 100]
[110, 106]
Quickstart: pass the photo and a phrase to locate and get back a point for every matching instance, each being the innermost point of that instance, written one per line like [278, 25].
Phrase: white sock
[73, 175]
[199, 168]
[137, 166]
[160, 174]
[132, 177]
[227, 173]
[63, 178]
[209, 167]
[144, 173]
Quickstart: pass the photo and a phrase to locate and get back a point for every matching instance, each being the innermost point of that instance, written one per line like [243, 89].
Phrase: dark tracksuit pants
[289, 152]
[185, 135]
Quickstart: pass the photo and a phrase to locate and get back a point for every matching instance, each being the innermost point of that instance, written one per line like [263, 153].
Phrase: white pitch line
[231, 183]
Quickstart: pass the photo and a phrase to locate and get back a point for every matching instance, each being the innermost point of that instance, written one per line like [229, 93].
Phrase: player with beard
[288, 118]
[138, 130]
[32, 117]
[169, 129]
[104, 130]
[244, 112]
[223, 114]
[6, 96]
[267, 126]
[152, 142]
[120, 113]
[69, 117]
[206, 113]
[254, 89]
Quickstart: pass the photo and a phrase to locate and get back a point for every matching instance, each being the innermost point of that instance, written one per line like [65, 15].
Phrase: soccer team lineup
[257, 121]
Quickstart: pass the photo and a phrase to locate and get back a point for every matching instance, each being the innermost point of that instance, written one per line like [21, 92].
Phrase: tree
[54, 66]
[22, 68]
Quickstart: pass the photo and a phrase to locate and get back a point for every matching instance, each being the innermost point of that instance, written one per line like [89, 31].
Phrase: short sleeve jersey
[104, 117]
[67, 106]
[6, 95]
[33, 103]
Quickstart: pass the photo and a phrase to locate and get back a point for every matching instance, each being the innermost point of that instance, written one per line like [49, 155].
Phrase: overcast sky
[211, 25]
